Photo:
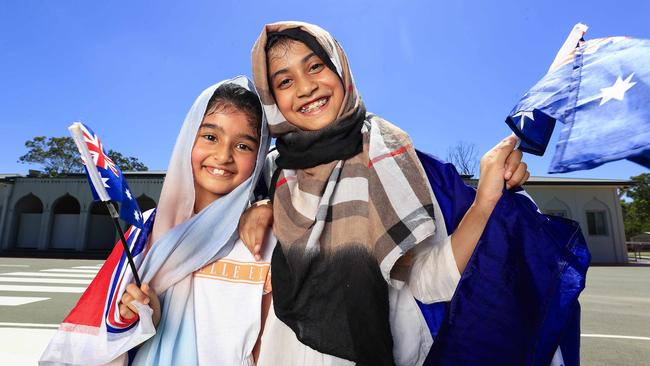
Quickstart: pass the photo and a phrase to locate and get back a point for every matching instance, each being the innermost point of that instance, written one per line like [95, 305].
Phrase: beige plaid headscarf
[343, 224]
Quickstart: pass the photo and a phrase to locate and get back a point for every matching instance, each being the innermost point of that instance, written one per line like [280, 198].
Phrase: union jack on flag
[100, 158]
[106, 180]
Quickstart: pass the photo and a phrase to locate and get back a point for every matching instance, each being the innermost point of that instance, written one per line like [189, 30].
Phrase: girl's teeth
[218, 171]
[311, 106]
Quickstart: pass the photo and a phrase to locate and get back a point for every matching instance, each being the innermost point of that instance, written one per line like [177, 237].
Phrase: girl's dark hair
[285, 37]
[232, 97]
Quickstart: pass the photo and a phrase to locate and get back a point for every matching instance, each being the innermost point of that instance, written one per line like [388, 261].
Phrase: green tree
[58, 156]
[127, 163]
[636, 213]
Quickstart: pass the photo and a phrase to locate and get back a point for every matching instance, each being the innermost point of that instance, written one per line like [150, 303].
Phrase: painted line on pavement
[614, 336]
[65, 270]
[28, 325]
[97, 267]
[64, 289]
[17, 300]
[63, 281]
[14, 265]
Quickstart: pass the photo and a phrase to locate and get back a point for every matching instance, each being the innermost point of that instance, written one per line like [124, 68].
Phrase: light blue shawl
[179, 249]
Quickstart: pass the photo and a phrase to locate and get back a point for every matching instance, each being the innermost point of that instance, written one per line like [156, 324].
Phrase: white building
[57, 216]
[594, 204]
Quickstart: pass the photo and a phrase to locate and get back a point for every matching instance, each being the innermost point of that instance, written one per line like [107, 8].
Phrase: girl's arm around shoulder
[256, 221]
[254, 225]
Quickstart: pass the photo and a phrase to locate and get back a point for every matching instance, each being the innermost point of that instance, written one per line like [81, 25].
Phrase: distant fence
[640, 249]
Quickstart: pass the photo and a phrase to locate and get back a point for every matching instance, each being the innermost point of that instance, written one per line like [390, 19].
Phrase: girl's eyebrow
[282, 71]
[251, 138]
[210, 125]
[246, 136]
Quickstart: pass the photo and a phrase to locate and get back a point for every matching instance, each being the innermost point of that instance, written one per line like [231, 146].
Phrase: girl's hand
[253, 226]
[501, 163]
[144, 295]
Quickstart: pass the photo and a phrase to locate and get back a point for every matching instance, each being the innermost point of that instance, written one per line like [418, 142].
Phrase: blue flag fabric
[600, 93]
[113, 179]
[517, 300]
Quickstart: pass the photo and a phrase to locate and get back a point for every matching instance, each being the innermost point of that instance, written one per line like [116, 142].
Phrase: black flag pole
[115, 216]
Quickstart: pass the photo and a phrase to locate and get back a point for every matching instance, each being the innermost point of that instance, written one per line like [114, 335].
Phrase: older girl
[358, 226]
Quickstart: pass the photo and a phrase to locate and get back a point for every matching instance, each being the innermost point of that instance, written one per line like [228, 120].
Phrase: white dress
[227, 306]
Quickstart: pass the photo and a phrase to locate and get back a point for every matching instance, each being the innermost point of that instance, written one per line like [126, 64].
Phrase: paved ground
[616, 302]
[36, 294]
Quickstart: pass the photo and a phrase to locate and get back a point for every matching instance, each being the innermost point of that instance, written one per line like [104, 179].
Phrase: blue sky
[442, 71]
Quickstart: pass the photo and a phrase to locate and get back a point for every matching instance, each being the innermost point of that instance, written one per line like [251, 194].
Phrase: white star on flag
[137, 215]
[616, 91]
[128, 194]
[523, 115]
[104, 180]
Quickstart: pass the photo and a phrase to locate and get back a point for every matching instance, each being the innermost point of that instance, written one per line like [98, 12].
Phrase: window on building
[596, 223]
[560, 213]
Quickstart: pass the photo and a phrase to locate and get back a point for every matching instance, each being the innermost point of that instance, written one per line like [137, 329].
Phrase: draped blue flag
[599, 90]
[517, 300]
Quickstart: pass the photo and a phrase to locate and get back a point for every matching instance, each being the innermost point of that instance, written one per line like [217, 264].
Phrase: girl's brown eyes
[244, 147]
[315, 67]
[239, 146]
[284, 83]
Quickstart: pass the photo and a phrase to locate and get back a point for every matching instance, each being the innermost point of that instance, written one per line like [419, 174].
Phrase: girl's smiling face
[223, 156]
[307, 92]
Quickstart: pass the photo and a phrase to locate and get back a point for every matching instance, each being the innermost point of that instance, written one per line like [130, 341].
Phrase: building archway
[598, 218]
[145, 203]
[65, 223]
[599, 232]
[101, 230]
[28, 213]
[557, 207]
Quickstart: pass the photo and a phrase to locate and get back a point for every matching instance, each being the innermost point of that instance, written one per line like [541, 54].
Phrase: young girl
[358, 226]
[226, 294]
[210, 286]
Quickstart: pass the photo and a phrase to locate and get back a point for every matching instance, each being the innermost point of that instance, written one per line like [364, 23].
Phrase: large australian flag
[517, 299]
[598, 89]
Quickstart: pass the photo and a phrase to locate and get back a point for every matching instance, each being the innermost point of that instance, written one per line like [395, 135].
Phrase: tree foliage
[636, 213]
[127, 163]
[59, 156]
[464, 157]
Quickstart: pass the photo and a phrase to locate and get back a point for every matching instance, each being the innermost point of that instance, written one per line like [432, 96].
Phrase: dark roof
[147, 174]
[559, 181]
[9, 177]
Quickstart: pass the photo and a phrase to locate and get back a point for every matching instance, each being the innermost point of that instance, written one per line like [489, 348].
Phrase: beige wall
[577, 200]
